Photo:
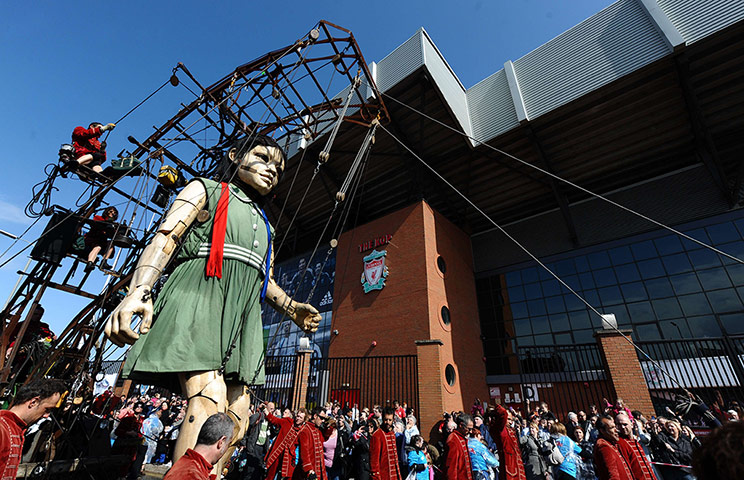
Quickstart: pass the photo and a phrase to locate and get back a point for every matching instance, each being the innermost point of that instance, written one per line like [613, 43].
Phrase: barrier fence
[706, 367]
[365, 381]
[568, 377]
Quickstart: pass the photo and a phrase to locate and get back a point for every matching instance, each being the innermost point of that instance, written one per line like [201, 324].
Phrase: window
[733, 323]
[666, 308]
[627, 273]
[668, 244]
[450, 375]
[445, 315]
[651, 268]
[722, 233]
[714, 279]
[659, 288]
[604, 277]
[647, 332]
[677, 263]
[687, 283]
[704, 326]
[441, 264]
[633, 292]
[704, 259]
[724, 301]
[695, 304]
[644, 250]
[620, 255]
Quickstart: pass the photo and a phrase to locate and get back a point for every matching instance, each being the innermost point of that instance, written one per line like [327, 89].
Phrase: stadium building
[642, 104]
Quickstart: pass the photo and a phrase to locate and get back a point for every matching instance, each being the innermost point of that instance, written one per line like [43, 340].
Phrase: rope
[325, 154]
[533, 257]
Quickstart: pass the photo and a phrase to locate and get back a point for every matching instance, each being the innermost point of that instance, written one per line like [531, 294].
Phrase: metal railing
[568, 377]
[365, 381]
[706, 367]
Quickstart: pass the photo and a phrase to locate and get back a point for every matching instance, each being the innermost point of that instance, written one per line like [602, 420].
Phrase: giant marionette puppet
[207, 334]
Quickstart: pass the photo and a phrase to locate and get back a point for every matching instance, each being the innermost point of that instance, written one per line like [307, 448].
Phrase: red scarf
[219, 227]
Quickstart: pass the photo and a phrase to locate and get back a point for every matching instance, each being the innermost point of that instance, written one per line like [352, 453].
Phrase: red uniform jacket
[458, 458]
[511, 466]
[11, 444]
[383, 456]
[85, 140]
[609, 464]
[311, 452]
[191, 466]
[282, 451]
[640, 466]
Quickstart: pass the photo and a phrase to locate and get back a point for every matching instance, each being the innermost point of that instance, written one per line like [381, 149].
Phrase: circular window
[445, 315]
[441, 264]
[449, 375]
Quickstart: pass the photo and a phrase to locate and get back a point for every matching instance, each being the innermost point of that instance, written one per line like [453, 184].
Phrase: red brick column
[301, 377]
[624, 370]
[431, 398]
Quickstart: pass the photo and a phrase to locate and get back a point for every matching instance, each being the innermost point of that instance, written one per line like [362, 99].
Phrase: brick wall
[624, 370]
[409, 308]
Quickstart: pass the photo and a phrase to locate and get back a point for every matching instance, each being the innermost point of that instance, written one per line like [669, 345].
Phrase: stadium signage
[375, 242]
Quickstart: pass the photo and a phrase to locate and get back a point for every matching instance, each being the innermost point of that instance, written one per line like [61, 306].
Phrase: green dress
[196, 318]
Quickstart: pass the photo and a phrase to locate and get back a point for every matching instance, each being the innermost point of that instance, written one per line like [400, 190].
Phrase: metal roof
[635, 91]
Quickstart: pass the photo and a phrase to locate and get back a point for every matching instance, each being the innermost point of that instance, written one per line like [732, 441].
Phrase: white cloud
[11, 213]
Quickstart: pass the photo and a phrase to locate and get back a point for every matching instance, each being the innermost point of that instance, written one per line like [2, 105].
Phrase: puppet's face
[260, 167]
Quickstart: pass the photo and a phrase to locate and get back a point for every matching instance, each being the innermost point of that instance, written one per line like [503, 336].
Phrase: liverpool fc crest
[375, 271]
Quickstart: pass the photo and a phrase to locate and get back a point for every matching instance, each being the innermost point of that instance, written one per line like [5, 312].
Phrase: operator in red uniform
[458, 457]
[88, 150]
[311, 448]
[281, 458]
[502, 431]
[383, 455]
[33, 401]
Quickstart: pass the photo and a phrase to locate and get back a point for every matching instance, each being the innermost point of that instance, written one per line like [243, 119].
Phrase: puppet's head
[255, 161]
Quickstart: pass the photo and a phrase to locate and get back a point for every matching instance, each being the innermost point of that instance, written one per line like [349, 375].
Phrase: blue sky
[69, 63]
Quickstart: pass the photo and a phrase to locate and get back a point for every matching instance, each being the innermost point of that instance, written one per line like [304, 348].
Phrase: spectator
[721, 455]
[485, 434]
[256, 443]
[400, 412]
[481, 459]
[383, 457]
[458, 459]
[586, 465]
[477, 408]
[31, 402]
[212, 443]
[545, 412]
[642, 470]
[334, 451]
[411, 429]
[510, 458]
[417, 461]
[310, 439]
[151, 430]
[361, 469]
[568, 469]
[534, 463]
[670, 446]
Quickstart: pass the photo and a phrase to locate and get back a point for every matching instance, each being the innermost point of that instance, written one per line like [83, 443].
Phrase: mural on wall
[310, 282]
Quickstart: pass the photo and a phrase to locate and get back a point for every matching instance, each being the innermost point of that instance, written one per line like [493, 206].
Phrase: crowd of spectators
[487, 443]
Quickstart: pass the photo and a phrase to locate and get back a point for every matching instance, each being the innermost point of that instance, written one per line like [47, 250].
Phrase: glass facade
[663, 287]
